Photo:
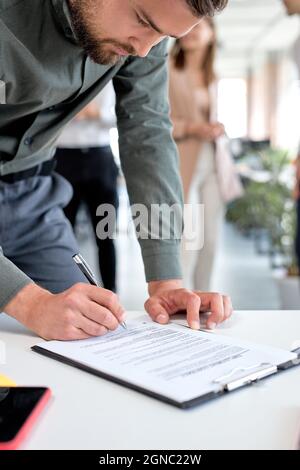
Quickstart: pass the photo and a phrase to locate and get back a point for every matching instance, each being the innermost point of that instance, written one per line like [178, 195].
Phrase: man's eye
[142, 22]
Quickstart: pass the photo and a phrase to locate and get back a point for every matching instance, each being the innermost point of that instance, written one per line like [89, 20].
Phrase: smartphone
[19, 409]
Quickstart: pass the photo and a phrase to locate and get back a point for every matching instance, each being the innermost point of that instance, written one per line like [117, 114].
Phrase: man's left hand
[169, 297]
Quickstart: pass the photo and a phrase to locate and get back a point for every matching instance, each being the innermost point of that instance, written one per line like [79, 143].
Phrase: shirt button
[28, 141]
[51, 108]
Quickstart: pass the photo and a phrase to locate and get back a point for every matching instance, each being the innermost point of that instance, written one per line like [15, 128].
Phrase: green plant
[268, 205]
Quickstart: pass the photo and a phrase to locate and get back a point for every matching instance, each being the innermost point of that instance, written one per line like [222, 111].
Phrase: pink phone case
[29, 423]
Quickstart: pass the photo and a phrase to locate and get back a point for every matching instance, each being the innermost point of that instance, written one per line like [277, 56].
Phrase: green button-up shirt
[48, 79]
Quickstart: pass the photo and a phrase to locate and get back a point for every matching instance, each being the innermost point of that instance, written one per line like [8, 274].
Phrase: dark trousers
[298, 234]
[93, 174]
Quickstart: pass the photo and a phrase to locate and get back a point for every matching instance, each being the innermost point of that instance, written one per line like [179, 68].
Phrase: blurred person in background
[207, 169]
[293, 8]
[85, 159]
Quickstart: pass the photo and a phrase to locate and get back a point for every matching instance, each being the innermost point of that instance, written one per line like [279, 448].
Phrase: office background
[259, 103]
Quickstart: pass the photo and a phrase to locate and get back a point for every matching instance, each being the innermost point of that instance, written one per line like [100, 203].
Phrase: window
[232, 106]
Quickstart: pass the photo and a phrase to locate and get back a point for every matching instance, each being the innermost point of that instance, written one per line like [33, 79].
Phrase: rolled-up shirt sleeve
[12, 280]
[149, 155]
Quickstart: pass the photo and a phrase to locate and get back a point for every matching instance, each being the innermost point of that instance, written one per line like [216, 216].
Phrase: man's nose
[144, 46]
[144, 50]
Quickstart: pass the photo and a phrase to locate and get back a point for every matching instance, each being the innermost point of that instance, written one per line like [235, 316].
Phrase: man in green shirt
[55, 57]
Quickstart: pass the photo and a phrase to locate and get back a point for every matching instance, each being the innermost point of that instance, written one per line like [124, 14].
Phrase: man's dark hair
[206, 7]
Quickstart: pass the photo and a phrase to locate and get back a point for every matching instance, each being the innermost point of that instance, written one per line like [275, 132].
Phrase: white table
[91, 413]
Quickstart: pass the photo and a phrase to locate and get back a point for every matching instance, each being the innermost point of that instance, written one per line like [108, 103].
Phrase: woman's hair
[178, 56]
[206, 7]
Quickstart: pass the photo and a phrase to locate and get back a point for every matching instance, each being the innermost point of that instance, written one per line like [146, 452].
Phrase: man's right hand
[80, 312]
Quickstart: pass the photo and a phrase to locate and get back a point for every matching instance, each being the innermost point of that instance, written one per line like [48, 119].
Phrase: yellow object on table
[6, 382]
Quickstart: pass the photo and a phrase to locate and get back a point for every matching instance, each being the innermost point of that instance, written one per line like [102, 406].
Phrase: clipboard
[244, 379]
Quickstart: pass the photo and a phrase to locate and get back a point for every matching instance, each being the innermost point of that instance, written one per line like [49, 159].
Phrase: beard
[99, 50]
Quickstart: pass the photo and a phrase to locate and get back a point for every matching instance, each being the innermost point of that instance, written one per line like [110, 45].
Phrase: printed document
[170, 360]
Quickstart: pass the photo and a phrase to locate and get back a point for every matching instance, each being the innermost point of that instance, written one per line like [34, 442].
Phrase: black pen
[86, 270]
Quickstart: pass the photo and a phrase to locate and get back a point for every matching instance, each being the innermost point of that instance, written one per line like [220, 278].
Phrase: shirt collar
[64, 16]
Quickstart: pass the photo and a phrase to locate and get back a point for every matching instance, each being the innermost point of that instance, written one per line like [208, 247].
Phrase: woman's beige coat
[185, 109]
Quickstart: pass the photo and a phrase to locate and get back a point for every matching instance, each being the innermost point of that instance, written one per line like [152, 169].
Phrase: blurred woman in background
[85, 159]
[207, 170]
